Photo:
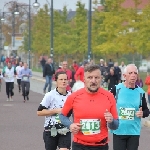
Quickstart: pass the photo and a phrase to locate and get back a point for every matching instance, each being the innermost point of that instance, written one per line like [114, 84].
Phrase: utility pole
[89, 29]
[1, 36]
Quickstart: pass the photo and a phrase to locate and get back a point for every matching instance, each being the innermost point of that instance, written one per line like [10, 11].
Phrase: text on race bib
[57, 118]
[90, 126]
[126, 113]
[25, 78]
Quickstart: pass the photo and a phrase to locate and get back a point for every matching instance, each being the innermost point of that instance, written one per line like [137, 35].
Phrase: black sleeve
[69, 114]
[144, 107]
[113, 90]
[107, 78]
[40, 108]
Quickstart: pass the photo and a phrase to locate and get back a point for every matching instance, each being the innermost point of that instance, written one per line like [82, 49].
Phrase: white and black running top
[53, 100]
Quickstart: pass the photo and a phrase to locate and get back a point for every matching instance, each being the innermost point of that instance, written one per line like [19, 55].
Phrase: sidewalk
[39, 76]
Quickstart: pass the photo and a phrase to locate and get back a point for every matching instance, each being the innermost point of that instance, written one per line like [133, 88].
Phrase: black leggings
[19, 83]
[77, 146]
[25, 88]
[125, 142]
[62, 141]
[9, 89]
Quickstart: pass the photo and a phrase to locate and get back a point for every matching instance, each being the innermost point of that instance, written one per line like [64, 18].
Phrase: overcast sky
[58, 4]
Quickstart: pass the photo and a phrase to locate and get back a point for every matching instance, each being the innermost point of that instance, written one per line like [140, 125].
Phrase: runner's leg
[51, 143]
[64, 142]
[133, 142]
[46, 83]
[119, 142]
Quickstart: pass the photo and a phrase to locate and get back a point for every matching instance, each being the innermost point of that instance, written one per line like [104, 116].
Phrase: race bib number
[90, 126]
[126, 113]
[57, 119]
[25, 78]
[9, 76]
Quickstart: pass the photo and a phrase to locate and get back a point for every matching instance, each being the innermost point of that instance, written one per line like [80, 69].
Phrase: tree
[41, 32]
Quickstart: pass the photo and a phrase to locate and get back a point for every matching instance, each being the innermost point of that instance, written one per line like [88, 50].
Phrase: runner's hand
[75, 127]
[108, 116]
[139, 113]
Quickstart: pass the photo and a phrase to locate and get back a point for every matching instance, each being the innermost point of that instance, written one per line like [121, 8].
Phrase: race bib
[57, 119]
[9, 76]
[90, 126]
[25, 78]
[126, 113]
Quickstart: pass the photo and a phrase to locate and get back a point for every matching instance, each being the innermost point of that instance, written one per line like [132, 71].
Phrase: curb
[42, 80]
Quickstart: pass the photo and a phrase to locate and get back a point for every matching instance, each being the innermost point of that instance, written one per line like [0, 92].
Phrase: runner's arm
[30, 73]
[43, 109]
[145, 109]
[114, 124]
[15, 73]
[65, 120]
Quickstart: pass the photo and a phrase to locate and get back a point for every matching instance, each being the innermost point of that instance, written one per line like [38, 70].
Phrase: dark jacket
[48, 71]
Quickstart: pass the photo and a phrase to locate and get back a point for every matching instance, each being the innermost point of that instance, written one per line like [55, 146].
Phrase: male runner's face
[131, 75]
[92, 80]
[62, 81]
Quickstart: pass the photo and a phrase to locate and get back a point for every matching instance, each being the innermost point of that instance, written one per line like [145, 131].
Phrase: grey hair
[130, 65]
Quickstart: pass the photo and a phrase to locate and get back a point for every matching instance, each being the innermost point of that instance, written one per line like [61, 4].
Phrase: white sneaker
[10, 99]
[7, 99]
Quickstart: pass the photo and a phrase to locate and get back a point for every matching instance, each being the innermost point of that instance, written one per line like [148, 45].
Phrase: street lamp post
[36, 6]
[1, 37]
[51, 29]
[89, 29]
[51, 52]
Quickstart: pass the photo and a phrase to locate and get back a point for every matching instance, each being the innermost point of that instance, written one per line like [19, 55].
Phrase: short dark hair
[92, 67]
[58, 73]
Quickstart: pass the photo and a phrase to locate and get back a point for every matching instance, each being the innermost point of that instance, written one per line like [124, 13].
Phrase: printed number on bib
[90, 126]
[57, 119]
[126, 113]
[25, 78]
[9, 76]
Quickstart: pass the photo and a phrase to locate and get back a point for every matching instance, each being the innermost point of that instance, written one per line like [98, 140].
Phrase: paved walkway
[21, 129]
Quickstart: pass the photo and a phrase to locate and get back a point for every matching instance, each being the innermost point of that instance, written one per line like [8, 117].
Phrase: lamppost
[36, 5]
[89, 29]
[1, 36]
[13, 20]
[51, 30]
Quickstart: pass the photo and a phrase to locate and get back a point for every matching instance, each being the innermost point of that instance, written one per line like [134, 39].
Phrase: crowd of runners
[100, 98]
[22, 73]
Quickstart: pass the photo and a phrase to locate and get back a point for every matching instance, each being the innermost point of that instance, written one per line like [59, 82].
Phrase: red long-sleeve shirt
[79, 75]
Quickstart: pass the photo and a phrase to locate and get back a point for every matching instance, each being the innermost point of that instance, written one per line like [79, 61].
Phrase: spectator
[139, 82]
[43, 62]
[101, 65]
[117, 70]
[110, 63]
[122, 67]
[112, 79]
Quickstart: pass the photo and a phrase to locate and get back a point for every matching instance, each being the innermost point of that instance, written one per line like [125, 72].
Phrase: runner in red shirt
[75, 66]
[93, 109]
[68, 72]
[79, 75]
